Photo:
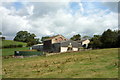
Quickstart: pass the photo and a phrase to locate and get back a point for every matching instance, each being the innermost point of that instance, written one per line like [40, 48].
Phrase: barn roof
[50, 38]
[73, 43]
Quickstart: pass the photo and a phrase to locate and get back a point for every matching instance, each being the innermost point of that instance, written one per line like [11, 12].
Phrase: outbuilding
[66, 46]
[57, 44]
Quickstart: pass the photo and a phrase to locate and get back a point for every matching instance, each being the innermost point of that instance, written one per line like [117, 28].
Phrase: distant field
[102, 63]
[10, 51]
[11, 42]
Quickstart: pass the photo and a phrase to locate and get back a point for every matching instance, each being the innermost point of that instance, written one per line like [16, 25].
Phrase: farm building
[39, 47]
[59, 43]
[84, 42]
[50, 42]
[65, 46]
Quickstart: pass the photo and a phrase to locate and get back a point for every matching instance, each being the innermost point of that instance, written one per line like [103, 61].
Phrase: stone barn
[57, 44]
[60, 44]
[48, 43]
[66, 46]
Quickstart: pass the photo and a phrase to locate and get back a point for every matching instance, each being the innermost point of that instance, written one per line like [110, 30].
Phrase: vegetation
[24, 36]
[1, 37]
[86, 37]
[76, 37]
[95, 42]
[43, 38]
[109, 39]
[12, 44]
[10, 51]
[0, 33]
[101, 63]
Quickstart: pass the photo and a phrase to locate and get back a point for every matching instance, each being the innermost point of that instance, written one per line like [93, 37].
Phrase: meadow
[100, 63]
[11, 42]
[10, 51]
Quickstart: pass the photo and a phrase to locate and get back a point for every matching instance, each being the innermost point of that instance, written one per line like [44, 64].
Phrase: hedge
[12, 46]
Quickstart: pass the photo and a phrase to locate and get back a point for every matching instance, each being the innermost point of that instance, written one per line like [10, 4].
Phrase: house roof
[66, 43]
[53, 37]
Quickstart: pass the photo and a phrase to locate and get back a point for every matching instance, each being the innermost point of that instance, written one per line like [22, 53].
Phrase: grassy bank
[102, 63]
[10, 51]
[11, 42]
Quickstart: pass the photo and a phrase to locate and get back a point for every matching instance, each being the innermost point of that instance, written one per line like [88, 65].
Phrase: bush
[12, 46]
[30, 44]
[20, 45]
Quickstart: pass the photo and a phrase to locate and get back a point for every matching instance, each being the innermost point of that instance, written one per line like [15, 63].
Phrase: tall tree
[86, 37]
[109, 38]
[24, 36]
[21, 36]
[0, 33]
[45, 37]
[95, 42]
[76, 37]
[118, 38]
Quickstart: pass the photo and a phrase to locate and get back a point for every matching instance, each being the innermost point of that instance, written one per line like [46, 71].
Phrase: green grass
[102, 63]
[11, 42]
[10, 51]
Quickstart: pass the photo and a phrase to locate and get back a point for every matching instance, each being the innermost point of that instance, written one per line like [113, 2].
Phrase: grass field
[102, 63]
[10, 51]
[11, 42]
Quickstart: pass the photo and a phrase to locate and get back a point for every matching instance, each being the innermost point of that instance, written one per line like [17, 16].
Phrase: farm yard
[99, 63]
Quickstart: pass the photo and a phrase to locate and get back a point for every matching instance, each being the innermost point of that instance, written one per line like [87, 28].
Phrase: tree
[95, 42]
[24, 36]
[76, 37]
[0, 33]
[109, 38]
[86, 37]
[43, 38]
[118, 38]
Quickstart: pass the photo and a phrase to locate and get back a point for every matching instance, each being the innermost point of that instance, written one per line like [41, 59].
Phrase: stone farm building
[57, 44]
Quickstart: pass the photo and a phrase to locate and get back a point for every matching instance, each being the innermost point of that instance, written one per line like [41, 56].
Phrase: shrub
[30, 44]
[12, 46]
[20, 45]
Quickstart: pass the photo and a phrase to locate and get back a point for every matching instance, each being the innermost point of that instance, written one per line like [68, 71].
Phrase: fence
[28, 53]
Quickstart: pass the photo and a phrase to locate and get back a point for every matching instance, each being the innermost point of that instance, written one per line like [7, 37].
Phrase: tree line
[108, 39]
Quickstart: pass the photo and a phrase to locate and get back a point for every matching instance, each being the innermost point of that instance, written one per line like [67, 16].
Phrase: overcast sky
[52, 18]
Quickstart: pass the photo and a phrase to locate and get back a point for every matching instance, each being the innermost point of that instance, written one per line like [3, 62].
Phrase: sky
[52, 18]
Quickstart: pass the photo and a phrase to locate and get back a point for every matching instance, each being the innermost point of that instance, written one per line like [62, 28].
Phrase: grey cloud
[51, 18]
[112, 6]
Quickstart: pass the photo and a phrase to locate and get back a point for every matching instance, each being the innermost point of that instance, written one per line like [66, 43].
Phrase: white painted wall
[63, 49]
[86, 42]
[75, 49]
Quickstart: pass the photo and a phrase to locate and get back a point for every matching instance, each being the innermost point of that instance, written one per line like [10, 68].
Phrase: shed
[38, 47]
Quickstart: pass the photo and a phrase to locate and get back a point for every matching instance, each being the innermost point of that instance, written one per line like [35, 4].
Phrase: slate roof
[53, 37]
[73, 43]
